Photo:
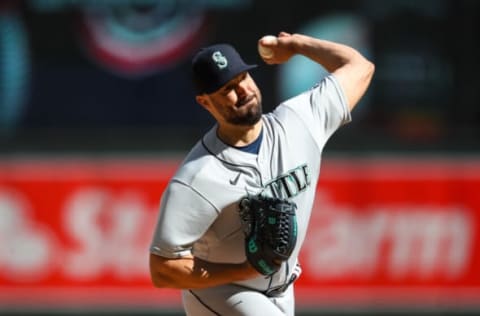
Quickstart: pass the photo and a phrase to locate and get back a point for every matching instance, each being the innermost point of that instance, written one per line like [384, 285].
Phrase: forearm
[353, 71]
[190, 272]
[330, 55]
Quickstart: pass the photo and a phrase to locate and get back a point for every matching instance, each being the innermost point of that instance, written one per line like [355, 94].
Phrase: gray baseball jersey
[199, 208]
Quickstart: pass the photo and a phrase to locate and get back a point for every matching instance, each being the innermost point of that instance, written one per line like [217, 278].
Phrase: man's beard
[253, 115]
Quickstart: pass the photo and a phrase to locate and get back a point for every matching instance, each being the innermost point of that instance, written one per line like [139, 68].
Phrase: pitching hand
[283, 48]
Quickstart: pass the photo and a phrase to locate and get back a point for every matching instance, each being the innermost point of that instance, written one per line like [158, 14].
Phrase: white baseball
[266, 52]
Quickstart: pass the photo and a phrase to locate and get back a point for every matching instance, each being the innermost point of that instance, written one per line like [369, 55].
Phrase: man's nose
[241, 89]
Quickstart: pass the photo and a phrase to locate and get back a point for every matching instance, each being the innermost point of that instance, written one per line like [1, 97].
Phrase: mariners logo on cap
[220, 60]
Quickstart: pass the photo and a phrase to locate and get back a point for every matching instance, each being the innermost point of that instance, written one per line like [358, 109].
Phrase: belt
[279, 290]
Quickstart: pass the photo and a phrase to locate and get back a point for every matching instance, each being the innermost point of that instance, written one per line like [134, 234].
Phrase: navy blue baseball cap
[215, 65]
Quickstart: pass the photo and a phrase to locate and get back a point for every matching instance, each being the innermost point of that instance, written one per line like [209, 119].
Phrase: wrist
[300, 44]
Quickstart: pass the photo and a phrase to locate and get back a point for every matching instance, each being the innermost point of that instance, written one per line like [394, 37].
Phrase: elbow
[158, 274]
[159, 281]
[370, 69]
[163, 280]
[155, 282]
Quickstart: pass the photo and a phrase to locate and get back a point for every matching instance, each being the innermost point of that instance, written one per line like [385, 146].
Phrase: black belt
[279, 290]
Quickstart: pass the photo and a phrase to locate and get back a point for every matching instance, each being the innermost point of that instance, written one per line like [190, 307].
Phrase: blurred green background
[103, 76]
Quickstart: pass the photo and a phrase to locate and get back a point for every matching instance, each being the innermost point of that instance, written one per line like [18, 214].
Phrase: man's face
[238, 102]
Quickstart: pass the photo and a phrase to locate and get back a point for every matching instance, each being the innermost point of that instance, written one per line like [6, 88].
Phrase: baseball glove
[270, 228]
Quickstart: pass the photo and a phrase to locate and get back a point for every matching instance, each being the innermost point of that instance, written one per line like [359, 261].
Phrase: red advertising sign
[77, 232]
[395, 232]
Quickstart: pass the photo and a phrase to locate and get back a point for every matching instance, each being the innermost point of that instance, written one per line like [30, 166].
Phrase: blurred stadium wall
[97, 110]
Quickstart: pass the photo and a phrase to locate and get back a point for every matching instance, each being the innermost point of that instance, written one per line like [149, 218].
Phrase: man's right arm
[352, 70]
[191, 273]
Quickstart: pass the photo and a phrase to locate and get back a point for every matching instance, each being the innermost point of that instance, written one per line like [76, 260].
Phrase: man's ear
[202, 100]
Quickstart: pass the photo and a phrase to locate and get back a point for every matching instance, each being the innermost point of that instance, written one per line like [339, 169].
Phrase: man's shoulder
[195, 161]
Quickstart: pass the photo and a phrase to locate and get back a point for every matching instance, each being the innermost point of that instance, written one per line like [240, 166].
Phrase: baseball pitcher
[234, 216]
